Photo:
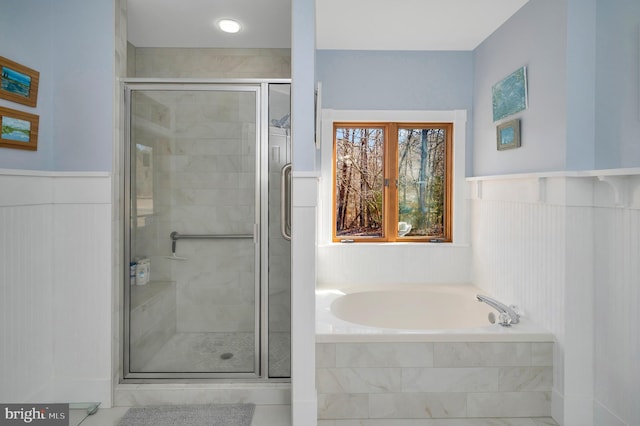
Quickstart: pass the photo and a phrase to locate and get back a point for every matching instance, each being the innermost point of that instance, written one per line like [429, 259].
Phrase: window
[392, 181]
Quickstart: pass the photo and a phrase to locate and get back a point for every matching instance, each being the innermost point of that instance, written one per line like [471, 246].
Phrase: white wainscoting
[617, 312]
[304, 403]
[565, 248]
[55, 293]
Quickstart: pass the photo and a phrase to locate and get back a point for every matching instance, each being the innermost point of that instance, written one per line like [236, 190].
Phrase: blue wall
[396, 80]
[25, 37]
[584, 95]
[617, 106]
[570, 124]
[71, 43]
[303, 84]
[536, 37]
[583, 64]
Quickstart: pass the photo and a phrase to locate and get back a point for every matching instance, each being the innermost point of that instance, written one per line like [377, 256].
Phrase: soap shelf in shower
[144, 294]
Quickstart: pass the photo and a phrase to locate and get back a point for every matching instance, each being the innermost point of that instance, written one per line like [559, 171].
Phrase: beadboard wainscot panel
[564, 247]
[56, 286]
[26, 286]
[303, 273]
[617, 301]
[82, 286]
[518, 253]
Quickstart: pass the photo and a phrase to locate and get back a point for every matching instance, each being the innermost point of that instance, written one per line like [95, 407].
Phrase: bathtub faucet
[508, 315]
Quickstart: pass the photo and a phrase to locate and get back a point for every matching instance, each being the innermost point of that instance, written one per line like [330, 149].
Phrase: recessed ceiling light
[229, 25]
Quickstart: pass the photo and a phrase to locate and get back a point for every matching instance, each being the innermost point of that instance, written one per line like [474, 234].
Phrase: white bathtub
[423, 352]
[415, 313]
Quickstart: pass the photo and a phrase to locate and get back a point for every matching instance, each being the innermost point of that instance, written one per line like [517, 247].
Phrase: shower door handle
[285, 202]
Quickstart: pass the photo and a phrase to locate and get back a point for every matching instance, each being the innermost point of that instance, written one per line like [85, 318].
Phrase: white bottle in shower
[143, 269]
[132, 272]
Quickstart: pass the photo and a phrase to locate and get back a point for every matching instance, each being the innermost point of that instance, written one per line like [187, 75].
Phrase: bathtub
[430, 312]
[428, 351]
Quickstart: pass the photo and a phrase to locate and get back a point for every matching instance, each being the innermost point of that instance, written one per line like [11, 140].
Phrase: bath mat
[190, 415]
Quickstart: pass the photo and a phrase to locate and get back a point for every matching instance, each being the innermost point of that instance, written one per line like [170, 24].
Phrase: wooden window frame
[390, 193]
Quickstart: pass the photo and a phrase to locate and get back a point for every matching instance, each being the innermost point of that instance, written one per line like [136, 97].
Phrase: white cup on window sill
[403, 228]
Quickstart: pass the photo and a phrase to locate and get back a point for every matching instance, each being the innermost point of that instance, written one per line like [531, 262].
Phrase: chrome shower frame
[261, 228]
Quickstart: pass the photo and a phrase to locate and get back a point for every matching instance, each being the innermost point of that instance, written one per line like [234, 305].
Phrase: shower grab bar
[175, 236]
[285, 202]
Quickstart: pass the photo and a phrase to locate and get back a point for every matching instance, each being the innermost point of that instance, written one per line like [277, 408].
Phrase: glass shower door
[193, 297]
[279, 273]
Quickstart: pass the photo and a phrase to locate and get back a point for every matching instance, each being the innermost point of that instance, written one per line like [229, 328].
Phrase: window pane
[359, 181]
[421, 182]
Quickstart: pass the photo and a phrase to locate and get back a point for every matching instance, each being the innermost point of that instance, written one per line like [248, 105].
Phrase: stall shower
[207, 250]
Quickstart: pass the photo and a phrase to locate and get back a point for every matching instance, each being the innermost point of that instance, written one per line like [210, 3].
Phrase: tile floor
[537, 421]
[280, 415]
[265, 415]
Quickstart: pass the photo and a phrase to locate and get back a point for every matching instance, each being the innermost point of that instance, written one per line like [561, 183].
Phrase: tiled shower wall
[203, 154]
[120, 67]
[212, 63]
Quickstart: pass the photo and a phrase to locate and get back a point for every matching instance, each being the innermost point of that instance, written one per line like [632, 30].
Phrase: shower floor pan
[204, 352]
[217, 353]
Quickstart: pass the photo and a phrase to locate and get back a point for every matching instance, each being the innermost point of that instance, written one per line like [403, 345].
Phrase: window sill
[395, 244]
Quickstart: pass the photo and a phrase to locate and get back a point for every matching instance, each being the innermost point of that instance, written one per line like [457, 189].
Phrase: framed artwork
[509, 95]
[508, 135]
[18, 83]
[19, 129]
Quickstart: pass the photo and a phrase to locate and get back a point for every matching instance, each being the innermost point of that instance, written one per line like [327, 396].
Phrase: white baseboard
[602, 416]
[93, 390]
[304, 412]
[557, 407]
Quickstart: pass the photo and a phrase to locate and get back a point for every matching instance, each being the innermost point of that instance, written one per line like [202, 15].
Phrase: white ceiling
[340, 24]
[191, 23]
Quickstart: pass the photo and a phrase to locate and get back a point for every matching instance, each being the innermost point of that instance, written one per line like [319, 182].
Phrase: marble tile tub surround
[418, 380]
[365, 373]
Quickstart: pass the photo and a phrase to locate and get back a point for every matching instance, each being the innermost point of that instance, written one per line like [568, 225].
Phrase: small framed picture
[18, 83]
[19, 129]
[508, 134]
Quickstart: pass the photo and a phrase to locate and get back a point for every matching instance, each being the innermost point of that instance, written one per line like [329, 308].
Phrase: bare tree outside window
[359, 181]
[421, 180]
[392, 181]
